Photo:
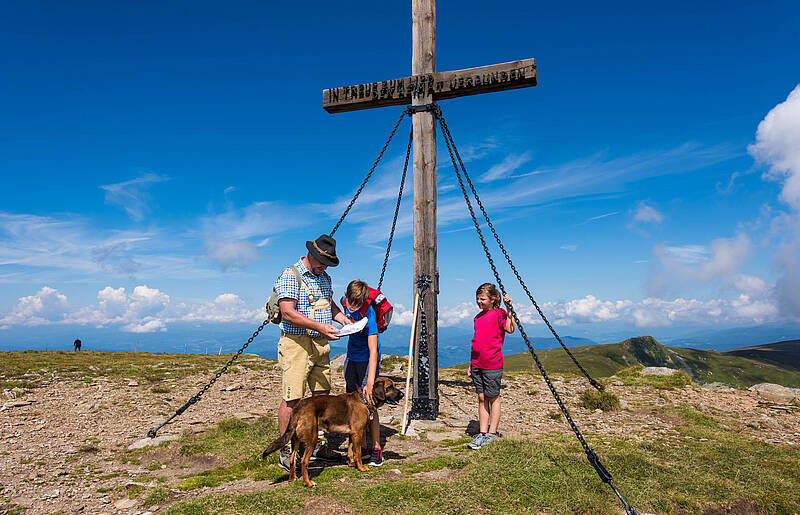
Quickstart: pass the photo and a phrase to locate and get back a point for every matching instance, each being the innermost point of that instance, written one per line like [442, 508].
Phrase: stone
[15, 404]
[149, 442]
[133, 383]
[243, 415]
[777, 393]
[658, 371]
[438, 436]
[232, 388]
[716, 385]
[337, 363]
[124, 504]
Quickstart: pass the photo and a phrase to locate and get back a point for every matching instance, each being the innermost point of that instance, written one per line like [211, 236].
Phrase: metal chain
[196, 397]
[372, 169]
[594, 460]
[397, 207]
[423, 367]
[449, 137]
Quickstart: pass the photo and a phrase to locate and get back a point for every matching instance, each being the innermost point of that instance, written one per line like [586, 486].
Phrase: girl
[486, 366]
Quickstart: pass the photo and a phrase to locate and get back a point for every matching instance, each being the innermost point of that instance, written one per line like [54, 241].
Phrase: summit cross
[424, 87]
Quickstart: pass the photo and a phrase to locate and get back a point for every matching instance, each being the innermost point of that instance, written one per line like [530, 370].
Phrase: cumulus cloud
[132, 195]
[647, 214]
[777, 146]
[143, 310]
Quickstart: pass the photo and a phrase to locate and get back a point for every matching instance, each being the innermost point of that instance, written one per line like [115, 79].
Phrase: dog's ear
[379, 392]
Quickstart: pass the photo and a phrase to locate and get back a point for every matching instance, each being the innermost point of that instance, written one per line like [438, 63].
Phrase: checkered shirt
[320, 285]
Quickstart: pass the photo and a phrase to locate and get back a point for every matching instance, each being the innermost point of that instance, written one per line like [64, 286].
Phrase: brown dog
[343, 414]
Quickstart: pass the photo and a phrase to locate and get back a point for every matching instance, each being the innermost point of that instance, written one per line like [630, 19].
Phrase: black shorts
[486, 381]
[355, 373]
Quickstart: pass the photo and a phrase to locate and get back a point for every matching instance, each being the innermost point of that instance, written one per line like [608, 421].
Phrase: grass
[698, 464]
[591, 399]
[632, 376]
[27, 369]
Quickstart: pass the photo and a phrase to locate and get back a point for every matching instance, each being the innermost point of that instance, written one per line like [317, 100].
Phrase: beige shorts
[303, 360]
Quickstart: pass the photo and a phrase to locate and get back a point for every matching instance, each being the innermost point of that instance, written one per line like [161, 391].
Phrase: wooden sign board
[457, 83]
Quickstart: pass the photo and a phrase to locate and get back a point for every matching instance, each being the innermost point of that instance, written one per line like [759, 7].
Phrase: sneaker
[489, 438]
[478, 441]
[375, 458]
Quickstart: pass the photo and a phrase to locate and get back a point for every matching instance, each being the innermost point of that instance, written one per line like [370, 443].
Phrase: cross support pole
[425, 402]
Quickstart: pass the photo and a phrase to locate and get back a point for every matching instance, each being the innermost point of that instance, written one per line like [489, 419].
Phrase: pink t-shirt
[487, 344]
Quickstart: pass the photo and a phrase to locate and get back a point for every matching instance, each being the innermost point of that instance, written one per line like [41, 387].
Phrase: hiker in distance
[77, 344]
[305, 298]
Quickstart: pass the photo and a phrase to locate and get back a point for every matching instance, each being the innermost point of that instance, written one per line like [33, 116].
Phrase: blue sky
[163, 161]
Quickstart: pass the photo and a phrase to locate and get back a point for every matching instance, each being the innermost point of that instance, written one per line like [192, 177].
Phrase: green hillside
[784, 354]
[702, 366]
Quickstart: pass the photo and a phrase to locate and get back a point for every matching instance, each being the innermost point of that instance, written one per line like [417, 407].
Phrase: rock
[439, 436]
[149, 442]
[242, 415]
[232, 388]
[15, 404]
[133, 383]
[658, 371]
[337, 363]
[777, 393]
[124, 504]
[716, 385]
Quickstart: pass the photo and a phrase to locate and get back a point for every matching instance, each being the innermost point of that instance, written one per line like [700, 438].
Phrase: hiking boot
[375, 459]
[489, 438]
[285, 459]
[324, 453]
[477, 442]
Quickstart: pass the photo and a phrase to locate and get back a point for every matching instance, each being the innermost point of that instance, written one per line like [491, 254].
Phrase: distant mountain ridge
[773, 363]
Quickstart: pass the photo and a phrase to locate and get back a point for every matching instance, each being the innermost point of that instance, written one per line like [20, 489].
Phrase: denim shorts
[486, 381]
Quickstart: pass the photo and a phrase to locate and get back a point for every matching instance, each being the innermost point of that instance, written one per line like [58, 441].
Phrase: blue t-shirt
[357, 348]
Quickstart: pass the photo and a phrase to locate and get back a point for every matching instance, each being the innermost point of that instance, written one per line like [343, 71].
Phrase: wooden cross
[424, 87]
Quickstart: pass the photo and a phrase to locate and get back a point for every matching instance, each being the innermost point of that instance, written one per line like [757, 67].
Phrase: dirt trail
[62, 452]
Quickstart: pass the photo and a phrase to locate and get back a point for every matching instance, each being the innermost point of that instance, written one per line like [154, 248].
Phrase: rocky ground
[64, 443]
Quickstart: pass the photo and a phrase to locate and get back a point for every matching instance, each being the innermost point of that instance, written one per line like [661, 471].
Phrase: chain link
[196, 397]
[594, 460]
[397, 208]
[372, 169]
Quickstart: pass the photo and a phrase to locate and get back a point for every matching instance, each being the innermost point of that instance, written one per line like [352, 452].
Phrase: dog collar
[369, 407]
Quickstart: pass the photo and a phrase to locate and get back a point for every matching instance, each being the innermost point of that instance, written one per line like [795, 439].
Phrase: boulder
[777, 393]
[658, 371]
[716, 385]
[337, 363]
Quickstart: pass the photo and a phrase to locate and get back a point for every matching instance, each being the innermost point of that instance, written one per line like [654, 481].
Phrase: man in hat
[307, 309]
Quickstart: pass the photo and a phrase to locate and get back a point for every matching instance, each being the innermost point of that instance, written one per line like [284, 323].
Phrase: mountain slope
[757, 365]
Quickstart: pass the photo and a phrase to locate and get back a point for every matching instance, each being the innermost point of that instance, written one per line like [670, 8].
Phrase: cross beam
[423, 87]
[442, 85]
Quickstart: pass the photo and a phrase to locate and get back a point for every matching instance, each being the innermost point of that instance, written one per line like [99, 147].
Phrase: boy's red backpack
[383, 309]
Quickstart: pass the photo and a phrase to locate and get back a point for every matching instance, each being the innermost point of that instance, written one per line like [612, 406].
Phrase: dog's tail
[279, 442]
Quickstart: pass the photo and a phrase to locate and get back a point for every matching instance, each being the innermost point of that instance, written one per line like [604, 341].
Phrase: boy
[363, 361]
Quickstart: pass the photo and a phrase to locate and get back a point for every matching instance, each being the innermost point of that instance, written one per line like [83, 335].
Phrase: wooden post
[425, 403]
[410, 363]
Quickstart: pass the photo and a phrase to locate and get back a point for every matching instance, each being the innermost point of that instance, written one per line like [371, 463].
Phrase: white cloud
[718, 262]
[647, 214]
[505, 168]
[570, 248]
[230, 254]
[132, 195]
[778, 145]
